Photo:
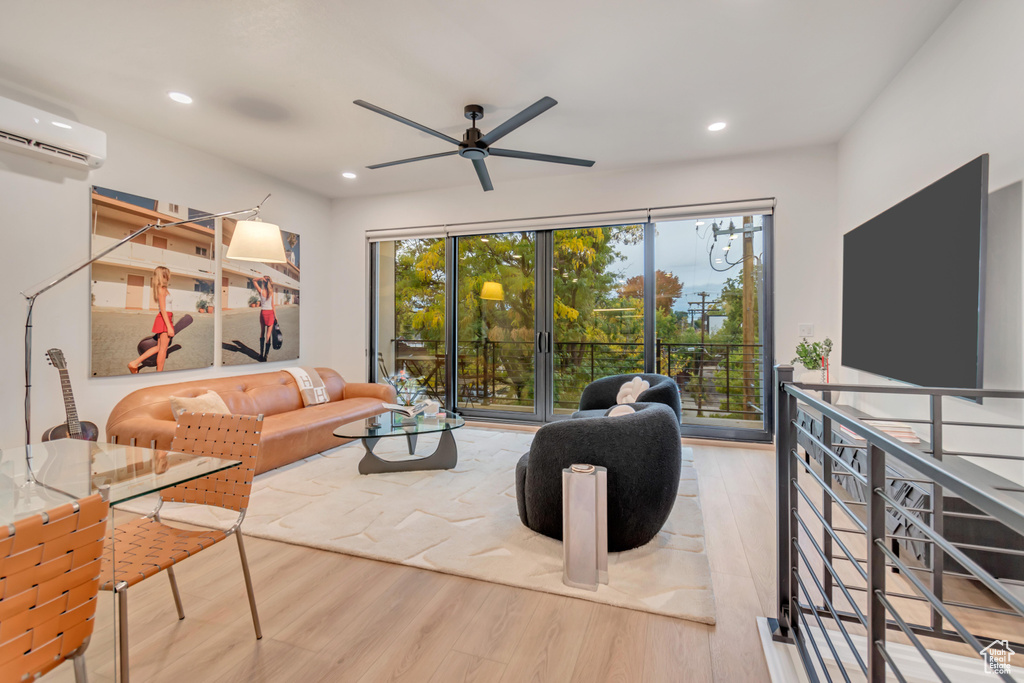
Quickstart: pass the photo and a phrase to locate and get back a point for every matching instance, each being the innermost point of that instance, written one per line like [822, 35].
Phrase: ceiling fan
[475, 145]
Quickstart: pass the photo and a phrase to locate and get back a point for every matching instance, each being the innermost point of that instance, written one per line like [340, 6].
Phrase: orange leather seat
[146, 547]
[291, 432]
[49, 577]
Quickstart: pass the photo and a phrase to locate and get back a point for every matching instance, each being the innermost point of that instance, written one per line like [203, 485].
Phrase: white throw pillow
[210, 402]
[620, 410]
[629, 391]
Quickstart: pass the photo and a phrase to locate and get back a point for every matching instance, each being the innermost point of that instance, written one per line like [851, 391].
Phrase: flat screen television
[913, 285]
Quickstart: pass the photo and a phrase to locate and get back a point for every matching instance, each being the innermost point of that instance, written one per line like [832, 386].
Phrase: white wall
[802, 180]
[44, 214]
[959, 97]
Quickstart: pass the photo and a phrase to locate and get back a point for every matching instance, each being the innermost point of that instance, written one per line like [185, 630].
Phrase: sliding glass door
[514, 325]
[597, 322]
[409, 321]
[496, 325]
[710, 333]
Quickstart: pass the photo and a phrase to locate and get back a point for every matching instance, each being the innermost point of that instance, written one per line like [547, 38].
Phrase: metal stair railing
[846, 585]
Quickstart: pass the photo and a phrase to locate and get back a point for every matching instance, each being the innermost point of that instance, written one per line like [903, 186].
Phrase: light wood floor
[332, 617]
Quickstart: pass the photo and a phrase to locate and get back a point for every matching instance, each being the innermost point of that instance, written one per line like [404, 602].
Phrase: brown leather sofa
[290, 431]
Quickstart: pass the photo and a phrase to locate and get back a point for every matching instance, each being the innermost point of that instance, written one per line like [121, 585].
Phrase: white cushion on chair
[629, 391]
[620, 410]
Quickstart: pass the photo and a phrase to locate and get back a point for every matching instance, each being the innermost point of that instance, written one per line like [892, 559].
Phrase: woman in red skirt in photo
[163, 326]
[268, 314]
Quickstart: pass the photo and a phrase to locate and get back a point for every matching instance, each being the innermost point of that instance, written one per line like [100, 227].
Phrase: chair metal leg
[122, 629]
[79, 662]
[177, 595]
[248, 585]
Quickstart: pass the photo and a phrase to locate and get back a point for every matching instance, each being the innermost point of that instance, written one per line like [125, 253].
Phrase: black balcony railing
[715, 380]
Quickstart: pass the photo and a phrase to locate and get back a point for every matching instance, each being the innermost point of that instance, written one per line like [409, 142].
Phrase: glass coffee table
[372, 430]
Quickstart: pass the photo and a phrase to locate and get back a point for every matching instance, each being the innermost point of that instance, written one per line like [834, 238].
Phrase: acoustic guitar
[73, 428]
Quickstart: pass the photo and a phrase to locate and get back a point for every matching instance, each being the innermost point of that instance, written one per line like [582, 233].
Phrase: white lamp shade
[257, 241]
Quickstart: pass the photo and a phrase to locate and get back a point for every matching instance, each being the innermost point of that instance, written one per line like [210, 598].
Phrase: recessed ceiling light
[348, 174]
[60, 124]
[180, 97]
[714, 127]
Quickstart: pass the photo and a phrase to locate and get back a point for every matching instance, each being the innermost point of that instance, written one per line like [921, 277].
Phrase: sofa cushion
[631, 390]
[278, 397]
[620, 410]
[297, 434]
[210, 402]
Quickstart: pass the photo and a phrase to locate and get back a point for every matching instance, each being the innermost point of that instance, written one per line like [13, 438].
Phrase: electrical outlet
[805, 330]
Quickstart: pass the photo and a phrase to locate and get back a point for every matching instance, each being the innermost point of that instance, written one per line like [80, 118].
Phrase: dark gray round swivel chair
[642, 453]
[599, 395]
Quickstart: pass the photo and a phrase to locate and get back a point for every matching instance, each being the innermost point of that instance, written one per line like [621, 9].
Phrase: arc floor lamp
[253, 240]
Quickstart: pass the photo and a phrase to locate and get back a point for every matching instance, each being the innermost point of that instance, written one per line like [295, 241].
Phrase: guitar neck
[74, 424]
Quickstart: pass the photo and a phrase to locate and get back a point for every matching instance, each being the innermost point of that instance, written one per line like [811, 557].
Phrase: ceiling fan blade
[482, 174]
[402, 119]
[406, 161]
[533, 156]
[531, 112]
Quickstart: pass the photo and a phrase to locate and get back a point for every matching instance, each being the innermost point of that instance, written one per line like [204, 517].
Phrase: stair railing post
[876, 563]
[785, 494]
[938, 558]
[826, 499]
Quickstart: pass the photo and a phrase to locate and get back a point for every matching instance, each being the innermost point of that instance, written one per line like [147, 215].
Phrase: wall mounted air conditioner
[43, 135]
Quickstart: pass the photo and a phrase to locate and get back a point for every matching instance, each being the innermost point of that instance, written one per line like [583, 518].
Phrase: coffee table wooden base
[445, 457]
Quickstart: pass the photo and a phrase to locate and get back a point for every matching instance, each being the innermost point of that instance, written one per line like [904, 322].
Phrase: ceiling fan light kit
[475, 145]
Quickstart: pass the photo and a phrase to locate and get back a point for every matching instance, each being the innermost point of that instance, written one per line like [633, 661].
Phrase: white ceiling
[637, 82]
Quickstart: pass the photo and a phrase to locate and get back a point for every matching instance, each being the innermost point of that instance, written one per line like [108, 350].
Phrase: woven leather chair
[147, 546]
[49, 578]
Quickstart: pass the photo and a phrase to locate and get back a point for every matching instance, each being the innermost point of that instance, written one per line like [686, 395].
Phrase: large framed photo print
[260, 304]
[152, 299]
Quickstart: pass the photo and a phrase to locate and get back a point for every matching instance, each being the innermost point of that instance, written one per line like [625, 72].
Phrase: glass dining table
[43, 476]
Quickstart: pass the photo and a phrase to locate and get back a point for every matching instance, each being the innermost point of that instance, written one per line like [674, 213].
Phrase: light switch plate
[805, 329]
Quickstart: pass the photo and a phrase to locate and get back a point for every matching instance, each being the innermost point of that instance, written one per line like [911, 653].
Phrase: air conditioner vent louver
[50, 149]
[16, 139]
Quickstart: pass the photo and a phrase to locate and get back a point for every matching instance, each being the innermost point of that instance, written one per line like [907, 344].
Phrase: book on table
[408, 411]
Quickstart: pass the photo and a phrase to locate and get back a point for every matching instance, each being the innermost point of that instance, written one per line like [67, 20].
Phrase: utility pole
[700, 361]
[749, 304]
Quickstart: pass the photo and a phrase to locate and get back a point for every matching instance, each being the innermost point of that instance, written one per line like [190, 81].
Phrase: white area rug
[463, 521]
